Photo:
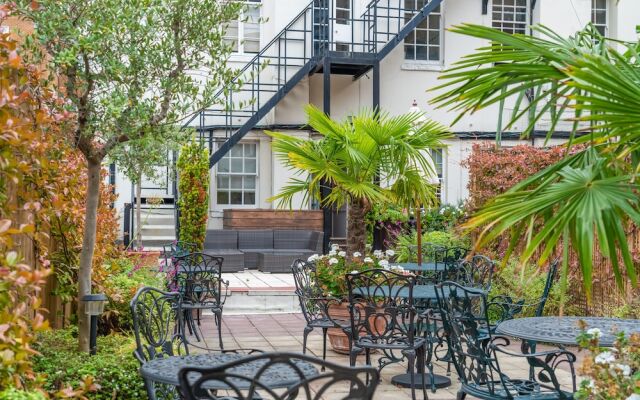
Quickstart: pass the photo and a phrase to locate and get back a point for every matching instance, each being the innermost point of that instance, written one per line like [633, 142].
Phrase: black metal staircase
[307, 45]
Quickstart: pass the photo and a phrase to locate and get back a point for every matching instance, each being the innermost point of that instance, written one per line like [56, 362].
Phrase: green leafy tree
[350, 157]
[127, 67]
[592, 83]
[193, 186]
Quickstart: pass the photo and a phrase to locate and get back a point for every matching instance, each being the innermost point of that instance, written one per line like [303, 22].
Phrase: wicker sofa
[268, 250]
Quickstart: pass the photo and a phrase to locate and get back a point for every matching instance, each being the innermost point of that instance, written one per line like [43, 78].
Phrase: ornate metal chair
[476, 354]
[170, 252]
[476, 272]
[200, 284]
[314, 304]
[383, 317]
[300, 372]
[155, 325]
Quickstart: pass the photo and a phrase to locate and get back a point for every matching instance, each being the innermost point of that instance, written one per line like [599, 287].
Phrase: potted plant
[331, 270]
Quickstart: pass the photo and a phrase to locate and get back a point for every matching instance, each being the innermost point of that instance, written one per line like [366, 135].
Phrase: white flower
[390, 253]
[333, 253]
[368, 260]
[333, 261]
[606, 357]
[595, 332]
[383, 263]
[313, 257]
[634, 396]
[377, 253]
[625, 369]
[335, 247]
[357, 254]
[342, 253]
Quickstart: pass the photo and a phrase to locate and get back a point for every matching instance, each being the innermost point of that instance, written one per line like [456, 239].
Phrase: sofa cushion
[221, 239]
[315, 242]
[255, 239]
[291, 239]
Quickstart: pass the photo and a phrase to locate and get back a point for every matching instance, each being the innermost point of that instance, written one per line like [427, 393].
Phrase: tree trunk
[88, 245]
[356, 227]
[139, 213]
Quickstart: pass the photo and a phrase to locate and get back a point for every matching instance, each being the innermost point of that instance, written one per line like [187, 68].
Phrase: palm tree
[594, 84]
[353, 155]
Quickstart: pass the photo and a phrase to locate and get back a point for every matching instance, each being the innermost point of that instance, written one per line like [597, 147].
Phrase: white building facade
[249, 174]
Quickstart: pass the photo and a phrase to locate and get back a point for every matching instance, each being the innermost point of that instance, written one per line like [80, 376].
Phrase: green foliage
[527, 283]
[629, 311]
[113, 367]
[15, 394]
[444, 218]
[591, 82]
[125, 280]
[193, 185]
[406, 241]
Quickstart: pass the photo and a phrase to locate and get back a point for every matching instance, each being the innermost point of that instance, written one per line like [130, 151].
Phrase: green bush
[193, 186]
[444, 218]
[114, 368]
[15, 394]
[120, 288]
[446, 239]
[512, 281]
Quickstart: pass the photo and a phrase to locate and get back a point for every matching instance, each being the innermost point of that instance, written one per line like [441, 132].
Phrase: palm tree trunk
[356, 227]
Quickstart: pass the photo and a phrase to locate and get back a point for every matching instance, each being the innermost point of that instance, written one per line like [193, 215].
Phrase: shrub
[126, 278]
[446, 239]
[193, 186]
[444, 218]
[113, 367]
[15, 394]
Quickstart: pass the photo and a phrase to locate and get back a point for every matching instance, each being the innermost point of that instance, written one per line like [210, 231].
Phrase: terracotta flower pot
[337, 338]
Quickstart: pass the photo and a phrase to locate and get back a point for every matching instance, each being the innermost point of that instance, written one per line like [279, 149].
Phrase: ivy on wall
[193, 187]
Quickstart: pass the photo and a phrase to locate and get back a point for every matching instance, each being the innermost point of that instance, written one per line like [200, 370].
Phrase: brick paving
[283, 332]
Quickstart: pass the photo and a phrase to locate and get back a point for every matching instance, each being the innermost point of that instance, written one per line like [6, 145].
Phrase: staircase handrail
[254, 59]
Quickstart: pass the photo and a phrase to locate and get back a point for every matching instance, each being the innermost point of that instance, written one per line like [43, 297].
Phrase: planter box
[310, 220]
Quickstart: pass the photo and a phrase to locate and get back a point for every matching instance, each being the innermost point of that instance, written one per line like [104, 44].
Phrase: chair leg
[411, 361]
[218, 316]
[353, 354]
[305, 333]
[421, 369]
[324, 343]
[461, 395]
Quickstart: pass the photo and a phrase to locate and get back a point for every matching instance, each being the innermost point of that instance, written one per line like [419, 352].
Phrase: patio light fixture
[94, 306]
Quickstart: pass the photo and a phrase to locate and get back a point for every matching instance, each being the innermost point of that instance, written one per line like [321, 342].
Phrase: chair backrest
[155, 322]
[177, 249]
[551, 276]
[314, 304]
[465, 322]
[199, 278]
[381, 306]
[295, 375]
[476, 272]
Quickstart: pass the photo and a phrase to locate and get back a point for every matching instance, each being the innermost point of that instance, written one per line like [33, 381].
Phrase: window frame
[230, 174]
[349, 11]
[427, 45]
[527, 18]
[440, 174]
[594, 10]
[241, 22]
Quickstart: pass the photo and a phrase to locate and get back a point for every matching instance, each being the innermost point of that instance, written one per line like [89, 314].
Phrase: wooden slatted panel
[273, 219]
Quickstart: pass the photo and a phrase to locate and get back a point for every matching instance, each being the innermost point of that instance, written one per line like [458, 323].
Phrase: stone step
[157, 241]
[261, 301]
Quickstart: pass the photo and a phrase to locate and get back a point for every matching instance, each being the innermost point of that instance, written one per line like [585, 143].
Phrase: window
[237, 175]
[510, 16]
[425, 42]
[599, 15]
[437, 156]
[244, 34]
[343, 12]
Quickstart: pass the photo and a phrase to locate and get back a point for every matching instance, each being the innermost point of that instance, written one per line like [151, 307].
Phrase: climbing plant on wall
[193, 187]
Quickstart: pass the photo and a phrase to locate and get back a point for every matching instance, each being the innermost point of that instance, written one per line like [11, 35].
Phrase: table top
[165, 370]
[565, 330]
[425, 266]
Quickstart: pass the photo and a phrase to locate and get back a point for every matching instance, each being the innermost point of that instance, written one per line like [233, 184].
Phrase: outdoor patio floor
[283, 332]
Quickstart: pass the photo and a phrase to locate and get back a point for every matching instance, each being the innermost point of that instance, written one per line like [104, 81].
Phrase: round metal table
[565, 330]
[165, 370]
